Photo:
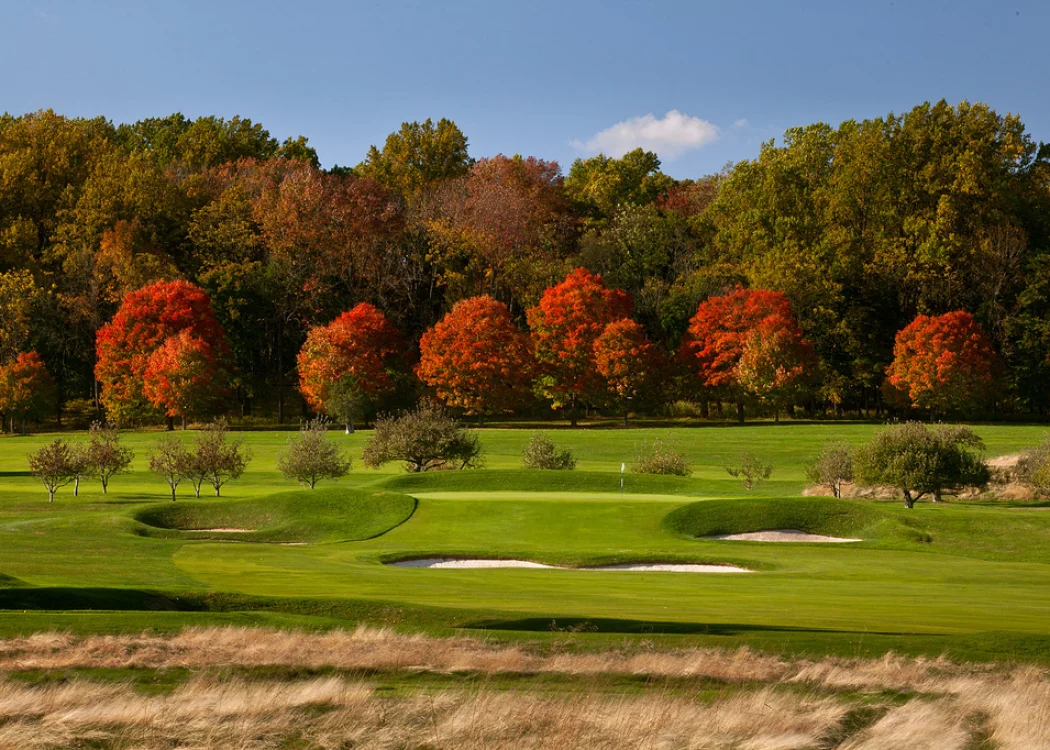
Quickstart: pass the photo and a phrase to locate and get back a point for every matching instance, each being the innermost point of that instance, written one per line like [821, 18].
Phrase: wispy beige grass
[767, 703]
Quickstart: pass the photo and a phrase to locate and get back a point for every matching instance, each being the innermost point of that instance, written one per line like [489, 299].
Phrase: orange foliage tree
[146, 318]
[719, 334]
[565, 324]
[346, 366]
[27, 390]
[476, 359]
[182, 377]
[944, 363]
[777, 364]
[629, 363]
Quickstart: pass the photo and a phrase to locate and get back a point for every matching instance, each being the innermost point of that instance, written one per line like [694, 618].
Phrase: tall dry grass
[766, 703]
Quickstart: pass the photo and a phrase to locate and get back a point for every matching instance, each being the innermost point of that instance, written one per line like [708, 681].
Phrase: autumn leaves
[165, 353]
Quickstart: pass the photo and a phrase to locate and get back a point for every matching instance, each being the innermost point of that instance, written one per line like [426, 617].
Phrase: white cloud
[741, 123]
[670, 136]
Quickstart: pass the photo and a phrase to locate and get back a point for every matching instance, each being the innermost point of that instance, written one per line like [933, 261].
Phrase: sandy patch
[782, 535]
[226, 531]
[447, 562]
[1007, 462]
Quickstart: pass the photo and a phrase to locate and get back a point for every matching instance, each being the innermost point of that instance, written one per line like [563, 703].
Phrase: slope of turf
[334, 514]
[966, 578]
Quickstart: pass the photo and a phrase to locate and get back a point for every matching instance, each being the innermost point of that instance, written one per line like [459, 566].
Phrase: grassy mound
[535, 480]
[327, 515]
[826, 516]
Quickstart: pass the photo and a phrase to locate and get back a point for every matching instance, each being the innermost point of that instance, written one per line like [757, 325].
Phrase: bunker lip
[782, 535]
[459, 563]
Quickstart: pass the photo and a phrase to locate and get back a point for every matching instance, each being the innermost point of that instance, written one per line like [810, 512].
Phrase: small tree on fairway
[218, 459]
[82, 465]
[751, 472]
[170, 460]
[311, 456]
[108, 457]
[53, 466]
[425, 438]
[832, 466]
[919, 461]
[541, 453]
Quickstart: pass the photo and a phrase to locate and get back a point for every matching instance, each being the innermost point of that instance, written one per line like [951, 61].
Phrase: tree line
[836, 240]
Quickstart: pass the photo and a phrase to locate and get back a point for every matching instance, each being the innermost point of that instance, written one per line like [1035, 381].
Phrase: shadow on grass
[7, 474]
[613, 625]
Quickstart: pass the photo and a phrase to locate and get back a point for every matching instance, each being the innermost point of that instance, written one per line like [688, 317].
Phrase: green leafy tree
[310, 456]
[919, 461]
[832, 466]
[170, 460]
[424, 439]
[417, 156]
[108, 457]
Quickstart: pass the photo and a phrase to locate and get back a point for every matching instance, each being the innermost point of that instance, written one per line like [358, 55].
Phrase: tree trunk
[481, 419]
[776, 415]
[626, 423]
[171, 423]
[183, 422]
[50, 495]
[173, 493]
[105, 484]
[937, 496]
[909, 501]
[705, 409]
[740, 411]
[76, 486]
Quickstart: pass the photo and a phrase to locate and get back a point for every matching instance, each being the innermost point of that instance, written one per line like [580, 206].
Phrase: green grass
[970, 579]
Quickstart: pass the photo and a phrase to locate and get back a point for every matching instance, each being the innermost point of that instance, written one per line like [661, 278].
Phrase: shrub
[541, 453]
[1033, 468]
[751, 472]
[311, 456]
[53, 465]
[82, 466]
[662, 456]
[425, 438]
[919, 461]
[832, 466]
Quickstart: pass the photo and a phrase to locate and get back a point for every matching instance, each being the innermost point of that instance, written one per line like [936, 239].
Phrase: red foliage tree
[26, 389]
[145, 320]
[944, 363]
[720, 331]
[182, 377]
[628, 362]
[565, 324]
[476, 359]
[347, 365]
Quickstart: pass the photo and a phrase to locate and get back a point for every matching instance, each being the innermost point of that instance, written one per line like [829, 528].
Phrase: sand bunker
[225, 531]
[449, 562]
[782, 535]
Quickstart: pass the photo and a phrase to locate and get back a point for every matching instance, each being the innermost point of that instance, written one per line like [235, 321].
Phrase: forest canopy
[862, 228]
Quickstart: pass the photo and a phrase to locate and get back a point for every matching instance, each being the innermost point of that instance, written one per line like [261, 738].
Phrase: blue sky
[556, 80]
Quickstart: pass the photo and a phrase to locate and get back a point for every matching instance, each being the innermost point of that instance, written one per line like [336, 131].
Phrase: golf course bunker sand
[463, 564]
[782, 535]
